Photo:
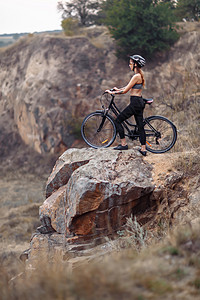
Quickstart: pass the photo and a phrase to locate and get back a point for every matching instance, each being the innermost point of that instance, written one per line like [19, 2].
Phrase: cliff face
[179, 71]
[44, 81]
[49, 83]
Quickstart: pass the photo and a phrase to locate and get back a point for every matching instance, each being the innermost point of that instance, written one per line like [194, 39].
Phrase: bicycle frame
[132, 134]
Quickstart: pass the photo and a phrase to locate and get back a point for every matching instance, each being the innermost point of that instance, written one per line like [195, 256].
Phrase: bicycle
[99, 131]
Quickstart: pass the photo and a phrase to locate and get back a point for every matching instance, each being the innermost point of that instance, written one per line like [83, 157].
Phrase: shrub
[143, 27]
[70, 26]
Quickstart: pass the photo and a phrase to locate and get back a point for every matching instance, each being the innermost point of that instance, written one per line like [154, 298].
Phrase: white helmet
[139, 60]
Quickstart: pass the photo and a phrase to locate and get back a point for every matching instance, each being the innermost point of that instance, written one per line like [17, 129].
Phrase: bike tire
[94, 137]
[161, 134]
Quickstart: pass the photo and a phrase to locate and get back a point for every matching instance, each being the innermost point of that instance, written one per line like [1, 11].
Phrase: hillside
[48, 84]
[11, 38]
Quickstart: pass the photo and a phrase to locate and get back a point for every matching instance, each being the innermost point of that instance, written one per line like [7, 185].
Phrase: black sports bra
[137, 86]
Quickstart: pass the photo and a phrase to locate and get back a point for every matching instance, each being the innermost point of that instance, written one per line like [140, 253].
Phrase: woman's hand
[109, 91]
[112, 91]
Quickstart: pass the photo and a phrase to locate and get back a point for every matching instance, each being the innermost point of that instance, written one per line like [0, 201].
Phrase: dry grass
[184, 110]
[169, 270]
[189, 162]
[188, 26]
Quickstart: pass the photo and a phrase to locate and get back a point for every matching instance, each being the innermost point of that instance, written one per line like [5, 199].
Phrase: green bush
[140, 26]
[70, 26]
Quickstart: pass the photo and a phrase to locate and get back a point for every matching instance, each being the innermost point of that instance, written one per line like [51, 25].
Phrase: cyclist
[136, 106]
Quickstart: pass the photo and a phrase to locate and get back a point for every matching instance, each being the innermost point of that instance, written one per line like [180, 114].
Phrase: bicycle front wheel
[161, 134]
[98, 130]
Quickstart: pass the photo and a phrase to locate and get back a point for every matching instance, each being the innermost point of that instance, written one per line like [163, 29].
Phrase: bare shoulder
[136, 77]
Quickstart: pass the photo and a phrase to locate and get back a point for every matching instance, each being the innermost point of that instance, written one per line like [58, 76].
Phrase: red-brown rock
[92, 192]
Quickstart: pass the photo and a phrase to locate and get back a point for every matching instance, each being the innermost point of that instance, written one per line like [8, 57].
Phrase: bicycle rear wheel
[98, 130]
[161, 134]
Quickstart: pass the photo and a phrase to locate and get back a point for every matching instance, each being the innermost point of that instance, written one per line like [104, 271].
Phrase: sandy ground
[162, 164]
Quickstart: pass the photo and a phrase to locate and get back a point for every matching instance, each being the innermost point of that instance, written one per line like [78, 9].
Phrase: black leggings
[135, 108]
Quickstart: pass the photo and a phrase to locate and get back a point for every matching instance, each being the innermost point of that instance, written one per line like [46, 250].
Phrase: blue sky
[18, 16]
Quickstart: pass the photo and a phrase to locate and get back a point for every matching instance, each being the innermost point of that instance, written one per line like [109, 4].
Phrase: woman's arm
[124, 90]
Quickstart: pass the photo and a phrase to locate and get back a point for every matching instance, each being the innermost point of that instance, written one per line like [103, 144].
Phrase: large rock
[92, 192]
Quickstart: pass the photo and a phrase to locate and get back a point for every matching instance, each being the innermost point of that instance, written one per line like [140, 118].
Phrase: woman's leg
[124, 115]
[139, 121]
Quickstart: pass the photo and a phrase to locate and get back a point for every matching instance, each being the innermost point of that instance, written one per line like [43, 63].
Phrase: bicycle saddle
[148, 101]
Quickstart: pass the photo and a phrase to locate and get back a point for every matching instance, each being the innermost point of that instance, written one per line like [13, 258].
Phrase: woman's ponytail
[142, 75]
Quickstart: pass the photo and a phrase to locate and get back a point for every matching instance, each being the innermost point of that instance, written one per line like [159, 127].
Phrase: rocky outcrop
[44, 86]
[178, 71]
[91, 193]
[48, 83]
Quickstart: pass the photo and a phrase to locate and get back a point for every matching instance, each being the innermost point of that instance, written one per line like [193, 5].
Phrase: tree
[140, 26]
[84, 10]
[70, 26]
[172, 3]
[188, 9]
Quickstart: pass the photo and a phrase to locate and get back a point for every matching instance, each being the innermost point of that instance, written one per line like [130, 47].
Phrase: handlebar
[111, 90]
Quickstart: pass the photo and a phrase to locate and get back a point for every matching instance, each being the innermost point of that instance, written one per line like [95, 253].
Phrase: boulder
[91, 192]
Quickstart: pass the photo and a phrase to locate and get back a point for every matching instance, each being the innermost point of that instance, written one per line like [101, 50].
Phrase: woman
[136, 105]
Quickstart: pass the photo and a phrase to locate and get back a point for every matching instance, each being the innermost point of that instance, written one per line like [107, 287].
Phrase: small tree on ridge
[83, 10]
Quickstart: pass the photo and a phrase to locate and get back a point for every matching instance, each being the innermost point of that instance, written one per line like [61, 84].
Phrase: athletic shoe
[120, 147]
[144, 153]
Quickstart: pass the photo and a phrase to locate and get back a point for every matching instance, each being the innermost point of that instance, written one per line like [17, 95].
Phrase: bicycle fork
[102, 123]
[101, 126]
